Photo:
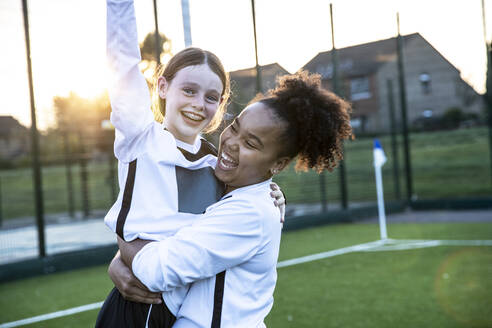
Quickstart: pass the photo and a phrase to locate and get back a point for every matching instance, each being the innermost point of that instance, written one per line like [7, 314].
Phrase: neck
[228, 189]
[186, 139]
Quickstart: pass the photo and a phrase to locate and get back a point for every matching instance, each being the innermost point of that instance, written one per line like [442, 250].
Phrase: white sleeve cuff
[146, 267]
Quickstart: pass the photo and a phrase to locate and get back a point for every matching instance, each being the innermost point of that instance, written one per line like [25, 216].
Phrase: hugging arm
[128, 250]
[128, 285]
[227, 236]
[279, 201]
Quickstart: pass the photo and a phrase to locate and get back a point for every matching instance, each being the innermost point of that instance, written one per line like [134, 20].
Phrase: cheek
[260, 163]
[224, 135]
[254, 161]
[171, 106]
[212, 110]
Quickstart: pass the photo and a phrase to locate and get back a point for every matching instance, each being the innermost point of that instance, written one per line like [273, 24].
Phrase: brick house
[14, 138]
[433, 84]
[243, 84]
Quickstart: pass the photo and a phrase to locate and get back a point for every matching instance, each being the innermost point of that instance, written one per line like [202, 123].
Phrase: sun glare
[78, 63]
[88, 89]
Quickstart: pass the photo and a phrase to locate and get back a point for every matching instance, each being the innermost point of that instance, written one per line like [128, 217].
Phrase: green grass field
[445, 164]
[429, 287]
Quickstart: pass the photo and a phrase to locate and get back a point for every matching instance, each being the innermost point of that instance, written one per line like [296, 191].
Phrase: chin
[220, 175]
[223, 176]
[188, 129]
[189, 132]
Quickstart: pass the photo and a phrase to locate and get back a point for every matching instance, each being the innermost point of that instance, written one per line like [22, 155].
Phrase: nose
[198, 103]
[231, 143]
[234, 147]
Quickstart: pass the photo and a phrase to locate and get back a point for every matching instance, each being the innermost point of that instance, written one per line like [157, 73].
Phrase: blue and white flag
[378, 152]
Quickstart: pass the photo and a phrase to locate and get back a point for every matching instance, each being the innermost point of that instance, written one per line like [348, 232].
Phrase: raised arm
[128, 91]
[227, 236]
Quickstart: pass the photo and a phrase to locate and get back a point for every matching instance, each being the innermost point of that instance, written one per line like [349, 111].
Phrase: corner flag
[378, 152]
[379, 160]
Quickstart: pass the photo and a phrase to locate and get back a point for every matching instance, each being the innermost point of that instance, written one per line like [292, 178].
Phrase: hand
[128, 250]
[279, 201]
[128, 285]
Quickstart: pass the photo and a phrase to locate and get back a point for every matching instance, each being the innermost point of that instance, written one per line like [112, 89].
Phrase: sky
[68, 38]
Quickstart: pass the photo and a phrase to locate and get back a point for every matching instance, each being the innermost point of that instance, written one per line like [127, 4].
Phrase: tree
[453, 117]
[81, 120]
[147, 50]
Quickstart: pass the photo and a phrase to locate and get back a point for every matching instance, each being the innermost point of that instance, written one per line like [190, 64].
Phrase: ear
[162, 86]
[279, 165]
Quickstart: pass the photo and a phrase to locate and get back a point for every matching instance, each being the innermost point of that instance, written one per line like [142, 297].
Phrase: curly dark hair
[317, 121]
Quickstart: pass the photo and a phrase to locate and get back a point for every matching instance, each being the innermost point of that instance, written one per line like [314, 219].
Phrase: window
[427, 113]
[358, 124]
[425, 83]
[359, 88]
[326, 71]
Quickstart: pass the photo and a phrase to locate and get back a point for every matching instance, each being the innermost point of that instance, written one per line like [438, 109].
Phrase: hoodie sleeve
[129, 94]
[226, 236]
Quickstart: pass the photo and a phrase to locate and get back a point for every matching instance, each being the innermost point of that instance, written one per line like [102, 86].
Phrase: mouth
[193, 117]
[226, 162]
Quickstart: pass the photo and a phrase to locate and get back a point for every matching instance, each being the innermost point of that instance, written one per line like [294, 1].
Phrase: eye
[233, 128]
[212, 99]
[188, 91]
[250, 145]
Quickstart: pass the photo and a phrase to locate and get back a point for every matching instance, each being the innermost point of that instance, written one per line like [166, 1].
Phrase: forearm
[122, 47]
[161, 266]
[128, 250]
[200, 251]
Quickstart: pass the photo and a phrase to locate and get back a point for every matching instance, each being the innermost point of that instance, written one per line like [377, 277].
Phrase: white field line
[378, 245]
[324, 255]
[52, 315]
[399, 245]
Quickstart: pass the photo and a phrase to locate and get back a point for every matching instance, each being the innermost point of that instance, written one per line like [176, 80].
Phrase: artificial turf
[434, 287]
[430, 287]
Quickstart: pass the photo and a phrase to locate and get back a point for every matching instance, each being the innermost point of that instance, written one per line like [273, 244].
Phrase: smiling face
[249, 148]
[192, 99]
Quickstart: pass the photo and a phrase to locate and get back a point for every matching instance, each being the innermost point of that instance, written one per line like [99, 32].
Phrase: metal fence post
[158, 48]
[36, 162]
[394, 146]
[1, 207]
[84, 185]
[403, 101]
[111, 177]
[488, 84]
[322, 187]
[257, 67]
[343, 182]
[336, 89]
[488, 101]
[84, 177]
[68, 172]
